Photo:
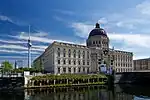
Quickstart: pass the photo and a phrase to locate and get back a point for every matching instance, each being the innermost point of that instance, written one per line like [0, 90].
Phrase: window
[69, 61]
[99, 42]
[58, 70]
[79, 70]
[74, 53]
[83, 54]
[99, 62]
[64, 53]
[58, 53]
[64, 61]
[87, 70]
[93, 42]
[64, 70]
[83, 69]
[58, 61]
[69, 53]
[111, 62]
[74, 62]
[83, 62]
[69, 70]
[79, 53]
[87, 55]
[96, 42]
[79, 62]
[74, 69]
[87, 62]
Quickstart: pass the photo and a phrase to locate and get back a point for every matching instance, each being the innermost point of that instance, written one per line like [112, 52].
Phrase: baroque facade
[61, 57]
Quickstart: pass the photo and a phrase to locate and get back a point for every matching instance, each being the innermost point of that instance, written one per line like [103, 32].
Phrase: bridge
[141, 71]
[11, 80]
[135, 77]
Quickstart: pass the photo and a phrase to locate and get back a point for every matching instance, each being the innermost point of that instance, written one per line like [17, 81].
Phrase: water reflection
[122, 92]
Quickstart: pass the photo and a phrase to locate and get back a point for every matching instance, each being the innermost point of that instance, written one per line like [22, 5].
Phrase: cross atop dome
[97, 25]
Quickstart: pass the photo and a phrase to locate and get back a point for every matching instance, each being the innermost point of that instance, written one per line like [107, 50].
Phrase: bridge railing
[11, 74]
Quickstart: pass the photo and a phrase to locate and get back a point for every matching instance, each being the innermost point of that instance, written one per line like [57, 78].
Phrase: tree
[7, 66]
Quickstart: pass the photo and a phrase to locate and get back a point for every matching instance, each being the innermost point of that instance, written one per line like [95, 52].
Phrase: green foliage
[6, 66]
[20, 70]
[67, 76]
[37, 65]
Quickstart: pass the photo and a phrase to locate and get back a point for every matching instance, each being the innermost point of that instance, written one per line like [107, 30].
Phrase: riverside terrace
[66, 80]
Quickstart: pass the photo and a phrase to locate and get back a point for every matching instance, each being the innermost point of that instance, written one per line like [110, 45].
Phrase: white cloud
[18, 52]
[5, 18]
[40, 34]
[18, 47]
[12, 42]
[82, 29]
[132, 39]
[125, 24]
[128, 38]
[40, 39]
[12, 47]
[128, 18]
[135, 43]
[144, 8]
[102, 21]
[140, 57]
[39, 46]
[13, 57]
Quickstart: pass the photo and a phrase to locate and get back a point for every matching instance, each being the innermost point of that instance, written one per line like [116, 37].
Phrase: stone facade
[67, 58]
[61, 57]
[142, 64]
[123, 61]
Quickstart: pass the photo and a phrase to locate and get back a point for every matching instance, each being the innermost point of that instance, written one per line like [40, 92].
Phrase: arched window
[96, 42]
[93, 42]
[99, 42]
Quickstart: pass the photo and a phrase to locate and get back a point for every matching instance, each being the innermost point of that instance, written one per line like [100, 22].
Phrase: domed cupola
[97, 31]
[98, 38]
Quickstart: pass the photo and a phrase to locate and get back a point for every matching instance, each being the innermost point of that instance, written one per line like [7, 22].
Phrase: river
[118, 92]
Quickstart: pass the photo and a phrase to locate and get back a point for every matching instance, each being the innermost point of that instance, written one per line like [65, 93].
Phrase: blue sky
[126, 22]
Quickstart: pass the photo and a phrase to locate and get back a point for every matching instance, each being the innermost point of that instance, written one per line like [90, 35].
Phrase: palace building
[59, 57]
[142, 64]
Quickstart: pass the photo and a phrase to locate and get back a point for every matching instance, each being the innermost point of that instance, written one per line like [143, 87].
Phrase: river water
[118, 92]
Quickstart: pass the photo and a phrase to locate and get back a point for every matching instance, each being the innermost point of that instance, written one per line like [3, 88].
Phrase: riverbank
[66, 80]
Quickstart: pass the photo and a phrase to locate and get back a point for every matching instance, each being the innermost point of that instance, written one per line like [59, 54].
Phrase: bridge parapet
[141, 70]
[133, 77]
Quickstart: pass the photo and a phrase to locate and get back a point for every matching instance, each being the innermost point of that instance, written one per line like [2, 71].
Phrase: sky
[126, 23]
